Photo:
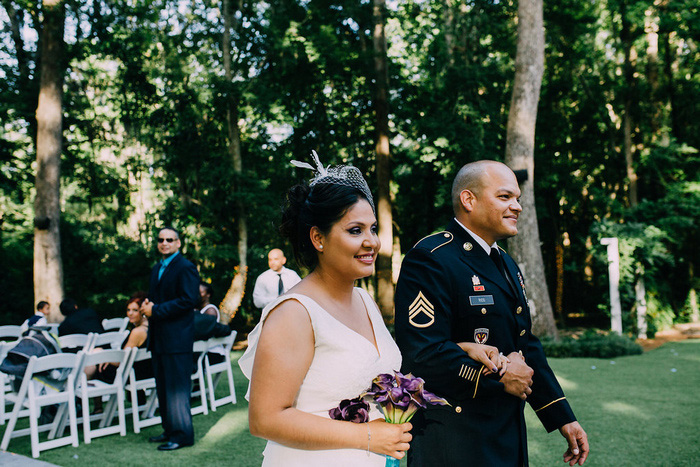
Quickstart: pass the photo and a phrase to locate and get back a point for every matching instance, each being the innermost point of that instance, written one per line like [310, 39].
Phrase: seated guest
[78, 321]
[39, 319]
[215, 354]
[138, 334]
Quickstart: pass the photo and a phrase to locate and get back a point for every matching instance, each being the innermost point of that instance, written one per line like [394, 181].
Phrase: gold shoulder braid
[444, 237]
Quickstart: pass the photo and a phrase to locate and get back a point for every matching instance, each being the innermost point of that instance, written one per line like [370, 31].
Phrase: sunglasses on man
[169, 240]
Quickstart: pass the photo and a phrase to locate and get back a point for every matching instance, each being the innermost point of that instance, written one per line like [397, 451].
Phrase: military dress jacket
[451, 291]
[175, 296]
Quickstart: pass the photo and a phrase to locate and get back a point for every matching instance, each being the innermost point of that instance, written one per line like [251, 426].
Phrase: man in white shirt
[275, 281]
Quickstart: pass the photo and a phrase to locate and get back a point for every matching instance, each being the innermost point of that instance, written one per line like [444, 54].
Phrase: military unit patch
[421, 313]
[481, 335]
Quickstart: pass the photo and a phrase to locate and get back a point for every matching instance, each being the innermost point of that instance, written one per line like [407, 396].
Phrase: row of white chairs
[39, 389]
[14, 332]
[76, 342]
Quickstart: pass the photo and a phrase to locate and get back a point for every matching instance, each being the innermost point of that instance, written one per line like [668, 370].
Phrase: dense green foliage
[145, 134]
[591, 345]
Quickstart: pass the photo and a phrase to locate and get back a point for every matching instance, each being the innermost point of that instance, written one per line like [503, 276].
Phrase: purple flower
[351, 410]
[409, 382]
[382, 382]
[400, 396]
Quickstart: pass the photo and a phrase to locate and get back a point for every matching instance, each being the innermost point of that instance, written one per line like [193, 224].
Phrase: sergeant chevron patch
[421, 313]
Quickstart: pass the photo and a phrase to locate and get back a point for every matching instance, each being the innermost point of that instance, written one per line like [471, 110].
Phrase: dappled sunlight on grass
[233, 424]
[566, 384]
[637, 410]
[623, 408]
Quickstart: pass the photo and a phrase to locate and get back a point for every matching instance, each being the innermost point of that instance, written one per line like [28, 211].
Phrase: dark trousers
[173, 374]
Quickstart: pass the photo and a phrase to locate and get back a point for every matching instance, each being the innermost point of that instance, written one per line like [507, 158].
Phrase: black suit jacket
[451, 291]
[175, 296]
[82, 321]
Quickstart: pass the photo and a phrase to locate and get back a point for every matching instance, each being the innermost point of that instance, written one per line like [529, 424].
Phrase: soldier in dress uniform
[456, 286]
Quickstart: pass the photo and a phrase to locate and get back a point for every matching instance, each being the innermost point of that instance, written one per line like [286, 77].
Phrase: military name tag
[480, 300]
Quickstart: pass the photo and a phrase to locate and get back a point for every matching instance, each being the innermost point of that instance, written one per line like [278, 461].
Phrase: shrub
[592, 345]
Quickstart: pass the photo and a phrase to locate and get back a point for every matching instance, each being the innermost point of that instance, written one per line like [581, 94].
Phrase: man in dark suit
[172, 297]
[78, 320]
[458, 286]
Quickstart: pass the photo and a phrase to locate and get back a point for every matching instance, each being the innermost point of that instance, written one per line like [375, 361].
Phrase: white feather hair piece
[346, 175]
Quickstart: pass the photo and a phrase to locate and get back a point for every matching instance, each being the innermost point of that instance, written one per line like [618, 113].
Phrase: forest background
[189, 112]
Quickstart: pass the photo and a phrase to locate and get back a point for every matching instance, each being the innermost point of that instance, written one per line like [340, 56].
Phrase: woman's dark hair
[68, 307]
[207, 286]
[321, 206]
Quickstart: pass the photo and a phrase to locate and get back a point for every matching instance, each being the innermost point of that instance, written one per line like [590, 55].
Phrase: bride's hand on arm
[488, 355]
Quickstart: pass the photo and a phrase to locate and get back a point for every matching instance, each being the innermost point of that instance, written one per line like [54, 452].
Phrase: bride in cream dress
[325, 340]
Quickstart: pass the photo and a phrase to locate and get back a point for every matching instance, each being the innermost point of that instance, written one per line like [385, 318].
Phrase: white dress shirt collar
[478, 239]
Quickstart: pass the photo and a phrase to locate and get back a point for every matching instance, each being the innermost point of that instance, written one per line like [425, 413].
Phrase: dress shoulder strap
[246, 360]
[370, 304]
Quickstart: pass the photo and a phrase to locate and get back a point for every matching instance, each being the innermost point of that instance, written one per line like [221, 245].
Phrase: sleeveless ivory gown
[343, 366]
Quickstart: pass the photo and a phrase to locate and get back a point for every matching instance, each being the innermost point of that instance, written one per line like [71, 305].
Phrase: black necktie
[498, 260]
[280, 286]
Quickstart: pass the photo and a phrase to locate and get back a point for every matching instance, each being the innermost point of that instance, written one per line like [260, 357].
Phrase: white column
[614, 279]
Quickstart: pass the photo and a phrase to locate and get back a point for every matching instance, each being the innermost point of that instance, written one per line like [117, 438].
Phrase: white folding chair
[53, 327]
[40, 389]
[215, 371]
[113, 339]
[10, 332]
[5, 384]
[114, 391]
[115, 324]
[76, 341]
[143, 415]
[200, 347]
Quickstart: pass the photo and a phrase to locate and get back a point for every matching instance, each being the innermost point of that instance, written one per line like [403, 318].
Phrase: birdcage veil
[346, 175]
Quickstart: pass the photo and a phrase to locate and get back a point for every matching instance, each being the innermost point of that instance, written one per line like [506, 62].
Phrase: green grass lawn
[637, 412]
[640, 410]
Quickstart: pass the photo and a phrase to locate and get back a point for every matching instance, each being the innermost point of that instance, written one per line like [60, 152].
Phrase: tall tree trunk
[670, 66]
[15, 16]
[651, 28]
[559, 281]
[640, 305]
[385, 283]
[48, 267]
[693, 296]
[234, 295]
[520, 154]
[628, 73]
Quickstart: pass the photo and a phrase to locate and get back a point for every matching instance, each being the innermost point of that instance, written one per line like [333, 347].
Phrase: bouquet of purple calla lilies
[400, 396]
